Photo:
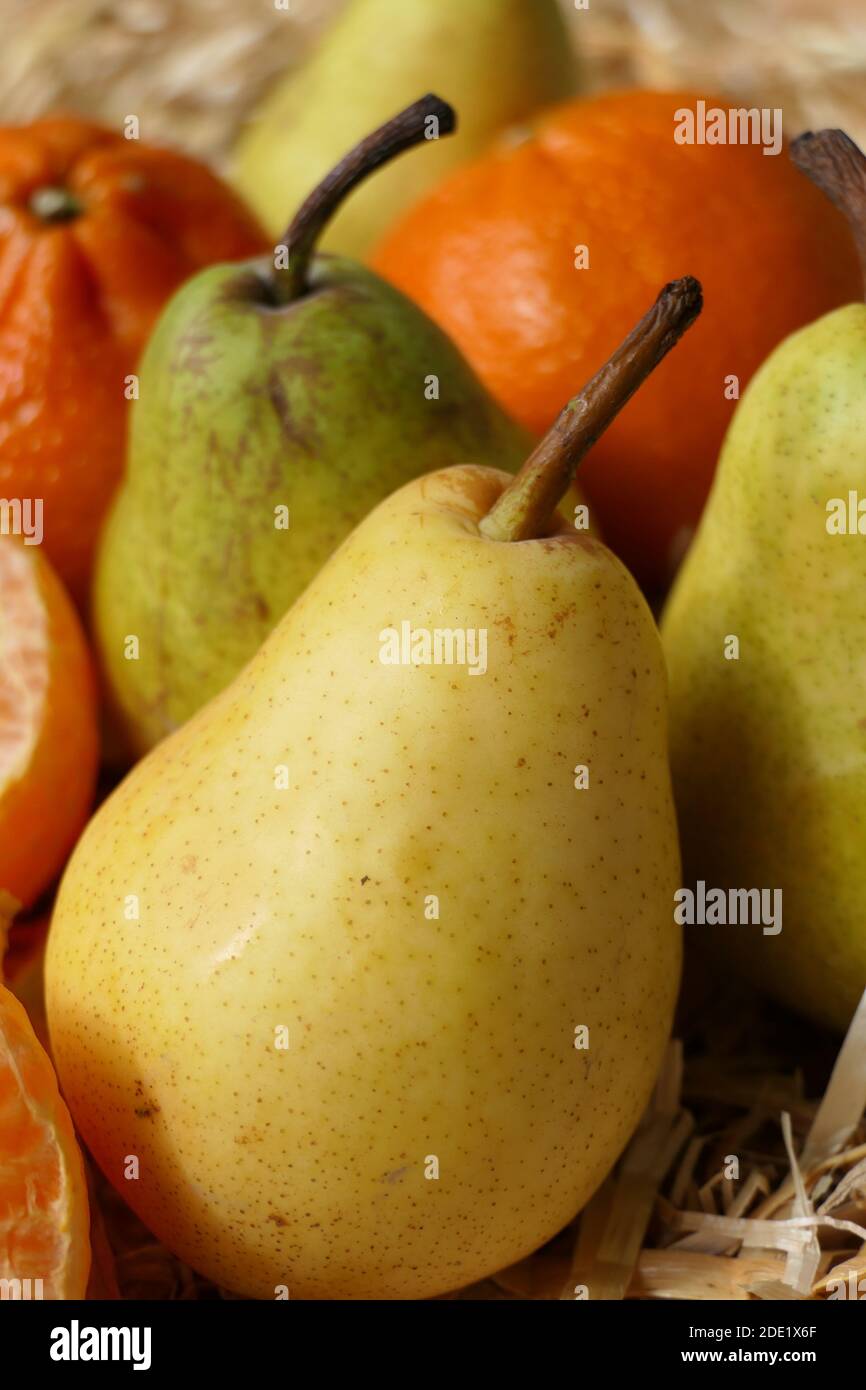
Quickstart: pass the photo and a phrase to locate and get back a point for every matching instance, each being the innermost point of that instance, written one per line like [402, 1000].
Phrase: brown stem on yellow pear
[425, 119]
[524, 511]
[837, 166]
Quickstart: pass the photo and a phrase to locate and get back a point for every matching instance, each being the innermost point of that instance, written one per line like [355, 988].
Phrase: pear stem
[405, 130]
[524, 511]
[837, 166]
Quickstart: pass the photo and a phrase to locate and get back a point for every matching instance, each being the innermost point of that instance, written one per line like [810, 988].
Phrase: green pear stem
[524, 511]
[837, 166]
[405, 130]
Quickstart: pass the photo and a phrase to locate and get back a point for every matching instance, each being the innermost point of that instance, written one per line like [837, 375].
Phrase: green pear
[499, 61]
[276, 408]
[764, 635]
[372, 964]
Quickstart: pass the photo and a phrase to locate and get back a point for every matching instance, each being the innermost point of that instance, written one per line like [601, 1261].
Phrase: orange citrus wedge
[49, 740]
[44, 1214]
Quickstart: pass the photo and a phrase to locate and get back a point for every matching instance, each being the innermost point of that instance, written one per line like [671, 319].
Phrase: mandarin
[49, 739]
[491, 254]
[96, 231]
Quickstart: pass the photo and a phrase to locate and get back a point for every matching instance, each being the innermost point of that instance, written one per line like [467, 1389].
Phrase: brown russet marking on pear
[525, 508]
[276, 394]
[837, 166]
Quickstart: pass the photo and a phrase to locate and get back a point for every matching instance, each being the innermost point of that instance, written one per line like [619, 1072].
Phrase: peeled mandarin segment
[44, 1213]
[24, 663]
[48, 723]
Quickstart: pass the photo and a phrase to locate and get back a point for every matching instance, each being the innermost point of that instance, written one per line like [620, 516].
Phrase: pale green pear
[275, 410]
[496, 61]
[765, 638]
[372, 964]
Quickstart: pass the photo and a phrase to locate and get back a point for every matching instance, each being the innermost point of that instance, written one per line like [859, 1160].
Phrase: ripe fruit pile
[49, 740]
[371, 963]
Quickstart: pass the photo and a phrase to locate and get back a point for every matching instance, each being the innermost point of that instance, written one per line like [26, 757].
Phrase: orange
[44, 1215]
[491, 255]
[96, 232]
[49, 741]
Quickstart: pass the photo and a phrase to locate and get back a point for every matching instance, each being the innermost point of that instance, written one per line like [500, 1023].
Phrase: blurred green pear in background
[496, 61]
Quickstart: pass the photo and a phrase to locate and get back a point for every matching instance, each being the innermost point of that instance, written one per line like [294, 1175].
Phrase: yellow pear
[359, 983]
[497, 61]
[764, 634]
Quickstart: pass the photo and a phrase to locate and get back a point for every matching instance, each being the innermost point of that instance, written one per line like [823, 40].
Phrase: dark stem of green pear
[524, 511]
[401, 133]
[837, 166]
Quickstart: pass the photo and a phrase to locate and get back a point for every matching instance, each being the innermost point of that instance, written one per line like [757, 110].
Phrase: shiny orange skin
[49, 737]
[490, 255]
[44, 1209]
[77, 301]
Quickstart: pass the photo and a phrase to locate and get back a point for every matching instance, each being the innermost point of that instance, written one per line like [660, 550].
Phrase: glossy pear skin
[496, 61]
[769, 752]
[320, 406]
[411, 1036]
